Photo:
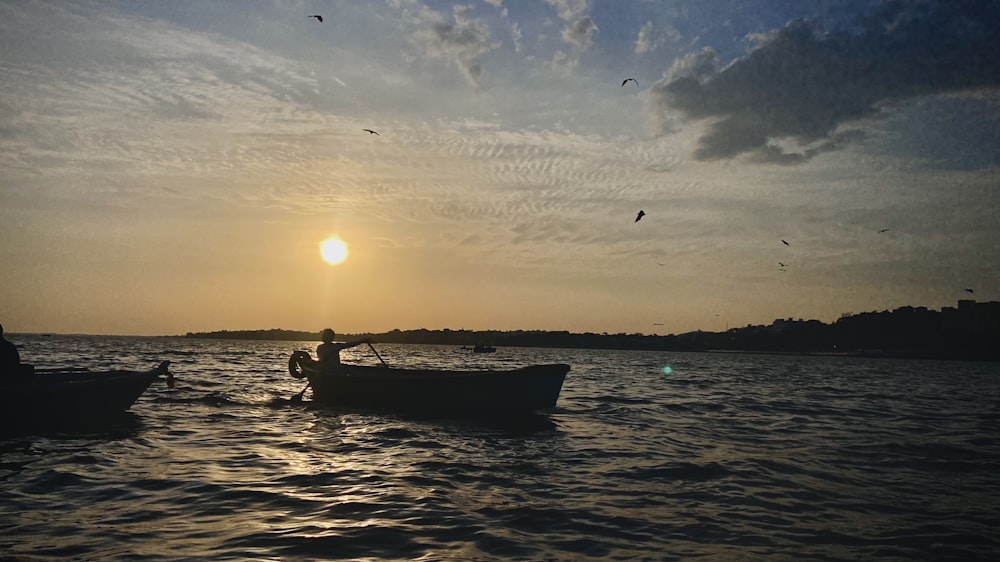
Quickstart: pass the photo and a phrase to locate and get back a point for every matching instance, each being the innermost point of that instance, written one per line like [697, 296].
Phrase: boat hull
[524, 390]
[73, 395]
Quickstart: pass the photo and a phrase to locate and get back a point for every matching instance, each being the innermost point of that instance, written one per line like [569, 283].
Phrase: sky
[173, 167]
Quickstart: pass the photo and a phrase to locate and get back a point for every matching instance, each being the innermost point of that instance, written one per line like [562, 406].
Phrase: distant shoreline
[614, 343]
[970, 331]
[799, 338]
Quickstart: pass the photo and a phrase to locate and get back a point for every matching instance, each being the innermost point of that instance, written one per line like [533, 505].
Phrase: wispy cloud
[119, 83]
[580, 33]
[463, 40]
[580, 28]
[651, 37]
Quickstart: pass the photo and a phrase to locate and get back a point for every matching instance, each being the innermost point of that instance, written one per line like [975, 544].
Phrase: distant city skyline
[175, 167]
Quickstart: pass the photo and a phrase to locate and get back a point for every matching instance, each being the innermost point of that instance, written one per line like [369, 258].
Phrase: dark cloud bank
[802, 83]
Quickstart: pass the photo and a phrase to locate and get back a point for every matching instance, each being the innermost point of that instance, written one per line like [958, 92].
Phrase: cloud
[143, 108]
[645, 42]
[689, 71]
[802, 85]
[698, 66]
[580, 28]
[561, 64]
[463, 41]
[569, 9]
[580, 33]
[651, 38]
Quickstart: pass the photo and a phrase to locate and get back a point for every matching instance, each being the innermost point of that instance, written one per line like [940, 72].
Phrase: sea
[647, 456]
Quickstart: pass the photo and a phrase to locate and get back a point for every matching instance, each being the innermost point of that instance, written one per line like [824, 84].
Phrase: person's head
[327, 335]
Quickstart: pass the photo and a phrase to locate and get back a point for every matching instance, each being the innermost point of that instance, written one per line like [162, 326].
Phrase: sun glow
[333, 250]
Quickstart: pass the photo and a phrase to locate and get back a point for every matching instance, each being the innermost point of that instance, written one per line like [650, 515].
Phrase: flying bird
[781, 264]
[785, 243]
[883, 230]
[318, 18]
[639, 216]
[626, 81]
[970, 291]
[371, 132]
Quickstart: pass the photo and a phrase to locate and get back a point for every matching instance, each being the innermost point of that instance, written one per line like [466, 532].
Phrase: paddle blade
[298, 397]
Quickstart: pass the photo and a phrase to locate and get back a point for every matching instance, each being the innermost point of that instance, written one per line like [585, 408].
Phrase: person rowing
[328, 352]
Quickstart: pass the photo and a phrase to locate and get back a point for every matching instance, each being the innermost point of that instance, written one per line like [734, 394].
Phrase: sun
[333, 250]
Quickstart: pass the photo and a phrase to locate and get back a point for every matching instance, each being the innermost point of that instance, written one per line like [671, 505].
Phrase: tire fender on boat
[293, 363]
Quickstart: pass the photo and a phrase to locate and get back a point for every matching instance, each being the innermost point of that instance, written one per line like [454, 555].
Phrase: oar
[377, 355]
[298, 397]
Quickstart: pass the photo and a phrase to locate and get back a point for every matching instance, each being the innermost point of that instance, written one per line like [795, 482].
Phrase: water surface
[729, 456]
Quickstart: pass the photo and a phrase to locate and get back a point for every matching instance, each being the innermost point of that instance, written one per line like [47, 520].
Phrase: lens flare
[667, 370]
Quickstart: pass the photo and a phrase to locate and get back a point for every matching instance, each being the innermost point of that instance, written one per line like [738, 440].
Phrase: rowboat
[63, 395]
[465, 392]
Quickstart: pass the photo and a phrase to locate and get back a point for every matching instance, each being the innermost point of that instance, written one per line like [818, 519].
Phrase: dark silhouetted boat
[66, 395]
[430, 391]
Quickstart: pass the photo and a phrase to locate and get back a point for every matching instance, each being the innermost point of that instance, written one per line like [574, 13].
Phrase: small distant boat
[60, 395]
[480, 348]
[463, 392]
